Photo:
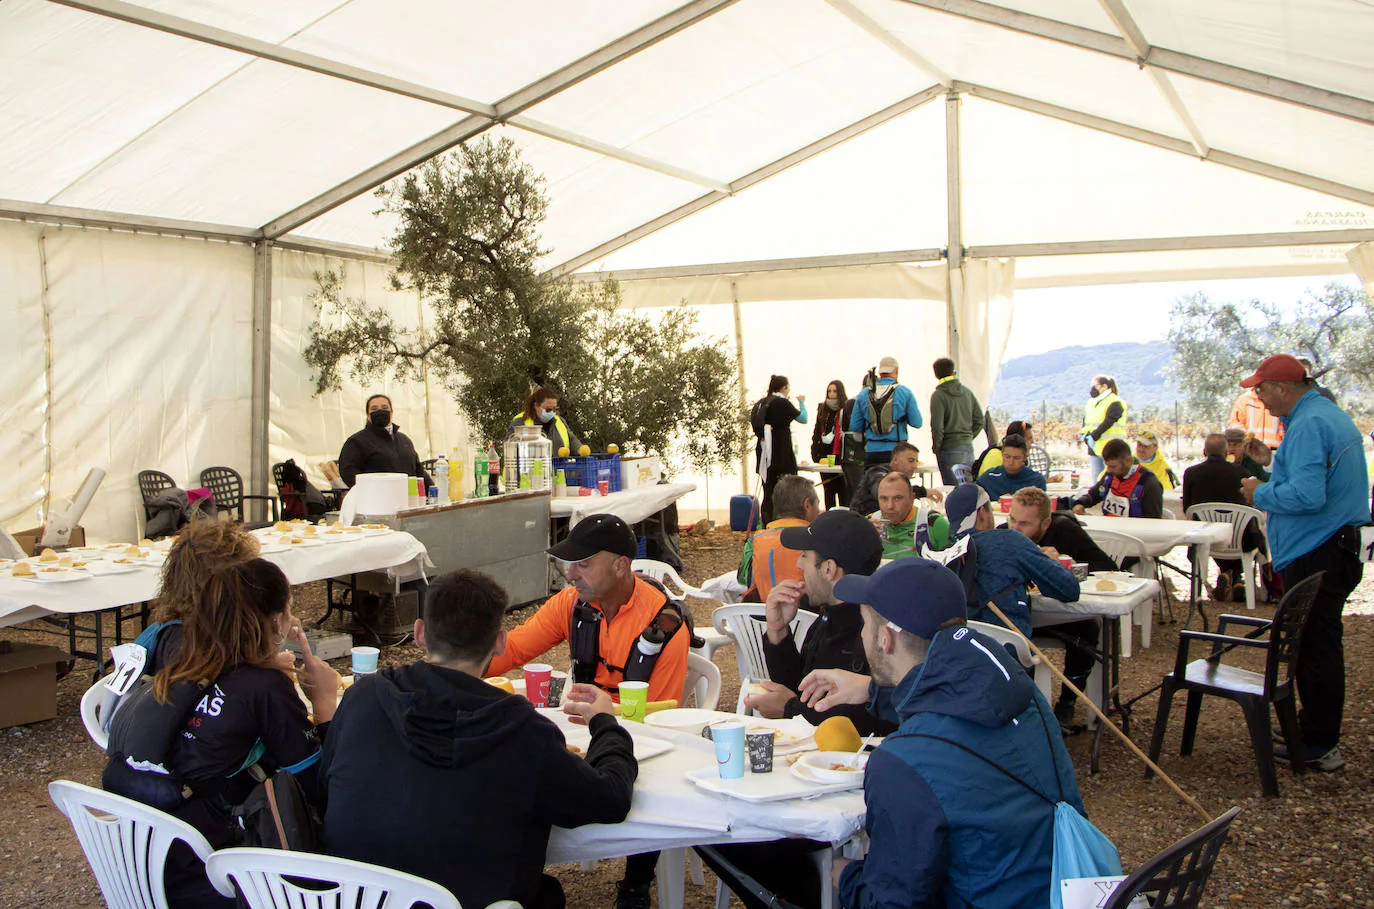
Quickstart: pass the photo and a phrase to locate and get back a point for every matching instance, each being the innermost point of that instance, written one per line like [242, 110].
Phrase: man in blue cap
[961, 799]
[1000, 560]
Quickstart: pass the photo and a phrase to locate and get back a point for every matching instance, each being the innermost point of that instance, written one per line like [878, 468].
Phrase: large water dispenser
[529, 459]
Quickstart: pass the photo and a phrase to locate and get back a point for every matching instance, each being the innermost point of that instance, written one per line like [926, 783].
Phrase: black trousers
[836, 490]
[639, 869]
[1078, 658]
[1321, 653]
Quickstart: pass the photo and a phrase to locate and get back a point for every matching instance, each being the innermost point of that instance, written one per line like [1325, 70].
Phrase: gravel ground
[1312, 846]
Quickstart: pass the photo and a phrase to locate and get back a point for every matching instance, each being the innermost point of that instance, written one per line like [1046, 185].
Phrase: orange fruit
[563, 452]
[838, 734]
[613, 449]
[505, 685]
[584, 451]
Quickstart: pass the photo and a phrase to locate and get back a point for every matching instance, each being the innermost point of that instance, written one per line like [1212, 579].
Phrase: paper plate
[820, 766]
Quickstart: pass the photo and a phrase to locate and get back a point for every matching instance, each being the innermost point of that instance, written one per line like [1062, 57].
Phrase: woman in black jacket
[776, 411]
[827, 438]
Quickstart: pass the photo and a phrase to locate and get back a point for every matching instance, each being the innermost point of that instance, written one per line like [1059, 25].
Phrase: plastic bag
[1080, 850]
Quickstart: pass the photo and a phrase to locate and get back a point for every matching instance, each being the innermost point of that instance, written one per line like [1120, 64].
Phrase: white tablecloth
[630, 505]
[21, 601]
[670, 812]
[1161, 534]
[1048, 611]
[926, 472]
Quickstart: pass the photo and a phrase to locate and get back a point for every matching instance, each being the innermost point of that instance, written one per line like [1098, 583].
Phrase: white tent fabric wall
[22, 356]
[1362, 260]
[312, 429]
[149, 339]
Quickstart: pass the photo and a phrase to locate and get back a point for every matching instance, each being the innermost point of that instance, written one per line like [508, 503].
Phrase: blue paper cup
[364, 660]
[728, 738]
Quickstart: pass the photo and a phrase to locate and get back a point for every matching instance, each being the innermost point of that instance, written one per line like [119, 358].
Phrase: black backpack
[758, 416]
[277, 815]
[879, 405]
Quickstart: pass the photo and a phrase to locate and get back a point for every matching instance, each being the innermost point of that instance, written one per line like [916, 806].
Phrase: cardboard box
[28, 539]
[639, 471]
[28, 682]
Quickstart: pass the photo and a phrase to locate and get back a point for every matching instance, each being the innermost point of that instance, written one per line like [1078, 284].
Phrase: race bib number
[953, 553]
[129, 660]
[1115, 506]
[1367, 543]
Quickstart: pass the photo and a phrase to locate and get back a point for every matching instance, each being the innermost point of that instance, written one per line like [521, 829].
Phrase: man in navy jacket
[947, 823]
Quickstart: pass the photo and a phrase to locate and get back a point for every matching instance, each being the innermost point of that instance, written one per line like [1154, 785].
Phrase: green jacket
[901, 539]
[956, 417]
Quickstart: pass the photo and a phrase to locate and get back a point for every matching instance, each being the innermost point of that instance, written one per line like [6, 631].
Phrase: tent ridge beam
[1169, 244]
[841, 135]
[1273, 87]
[71, 216]
[874, 28]
[844, 260]
[626, 46]
[1170, 143]
[275, 53]
[578, 140]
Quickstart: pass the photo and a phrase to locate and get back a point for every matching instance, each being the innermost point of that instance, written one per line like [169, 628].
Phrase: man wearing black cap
[610, 618]
[836, 544]
[961, 799]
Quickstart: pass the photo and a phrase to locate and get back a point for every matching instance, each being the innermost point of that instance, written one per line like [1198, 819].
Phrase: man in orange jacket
[1249, 413]
[795, 504]
[610, 617]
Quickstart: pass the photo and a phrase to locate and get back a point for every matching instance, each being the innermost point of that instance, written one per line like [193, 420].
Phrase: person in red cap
[1316, 500]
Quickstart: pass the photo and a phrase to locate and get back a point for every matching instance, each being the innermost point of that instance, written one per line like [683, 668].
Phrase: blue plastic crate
[590, 470]
[641, 547]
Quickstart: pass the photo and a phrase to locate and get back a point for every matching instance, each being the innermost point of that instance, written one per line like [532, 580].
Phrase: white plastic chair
[90, 713]
[1239, 517]
[1121, 546]
[1006, 636]
[702, 683]
[665, 575]
[744, 624]
[125, 842]
[262, 878]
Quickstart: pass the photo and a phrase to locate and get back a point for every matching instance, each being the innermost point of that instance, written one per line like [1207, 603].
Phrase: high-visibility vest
[1095, 411]
[560, 428]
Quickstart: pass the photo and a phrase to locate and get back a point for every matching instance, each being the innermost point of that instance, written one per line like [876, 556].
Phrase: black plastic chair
[1176, 877]
[226, 485]
[332, 497]
[1253, 691]
[150, 483]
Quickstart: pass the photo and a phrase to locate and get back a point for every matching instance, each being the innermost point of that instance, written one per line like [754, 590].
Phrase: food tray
[782, 784]
[1124, 586]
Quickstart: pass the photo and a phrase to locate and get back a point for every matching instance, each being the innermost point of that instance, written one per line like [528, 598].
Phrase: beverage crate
[590, 470]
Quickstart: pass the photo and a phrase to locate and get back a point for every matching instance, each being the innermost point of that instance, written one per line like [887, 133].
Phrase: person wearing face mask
[541, 409]
[379, 447]
[1104, 418]
[827, 438]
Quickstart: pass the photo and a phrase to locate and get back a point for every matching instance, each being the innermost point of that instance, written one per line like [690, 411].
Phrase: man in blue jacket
[1003, 561]
[1316, 499]
[883, 414]
[1014, 474]
[961, 799]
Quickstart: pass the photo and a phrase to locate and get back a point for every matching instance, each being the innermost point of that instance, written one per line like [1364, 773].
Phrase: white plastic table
[630, 505]
[927, 473]
[670, 814]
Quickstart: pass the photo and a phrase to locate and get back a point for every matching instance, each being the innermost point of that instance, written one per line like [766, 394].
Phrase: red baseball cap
[1278, 368]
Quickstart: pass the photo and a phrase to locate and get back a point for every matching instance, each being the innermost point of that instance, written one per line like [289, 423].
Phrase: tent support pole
[258, 466]
[739, 373]
[954, 256]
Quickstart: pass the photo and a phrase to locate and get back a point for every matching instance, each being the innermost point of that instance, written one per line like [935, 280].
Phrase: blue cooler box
[742, 508]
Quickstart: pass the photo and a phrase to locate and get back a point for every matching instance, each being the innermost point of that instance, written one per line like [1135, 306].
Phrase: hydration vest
[584, 640]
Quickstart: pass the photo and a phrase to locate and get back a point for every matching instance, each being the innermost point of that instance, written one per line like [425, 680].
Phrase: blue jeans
[1095, 467]
[946, 458]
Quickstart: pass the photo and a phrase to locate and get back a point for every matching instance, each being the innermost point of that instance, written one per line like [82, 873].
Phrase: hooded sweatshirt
[946, 829]
[956, 417]
[438, 774]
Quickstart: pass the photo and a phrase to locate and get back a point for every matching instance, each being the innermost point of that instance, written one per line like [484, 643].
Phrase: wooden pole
[1101, 717]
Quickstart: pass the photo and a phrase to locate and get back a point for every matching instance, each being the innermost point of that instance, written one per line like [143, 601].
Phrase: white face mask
[547, 415]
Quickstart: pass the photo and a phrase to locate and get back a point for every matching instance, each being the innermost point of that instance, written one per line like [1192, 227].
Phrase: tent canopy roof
[807, 127]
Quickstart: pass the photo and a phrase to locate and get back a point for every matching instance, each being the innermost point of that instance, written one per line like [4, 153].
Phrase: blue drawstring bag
[1080, 850]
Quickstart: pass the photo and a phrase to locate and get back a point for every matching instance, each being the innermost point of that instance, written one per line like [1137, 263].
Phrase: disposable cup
[558, 683]
[537, 677]
[760, 746]
[634, 696]
[364, 660]
[1005, 504]
[728, 738]
[1066, 561]
[603, 487]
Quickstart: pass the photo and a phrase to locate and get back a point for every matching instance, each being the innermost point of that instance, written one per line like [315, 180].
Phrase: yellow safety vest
[560, 428]
[1095, 411]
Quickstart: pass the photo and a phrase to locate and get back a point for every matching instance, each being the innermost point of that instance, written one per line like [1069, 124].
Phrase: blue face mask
[547, 415]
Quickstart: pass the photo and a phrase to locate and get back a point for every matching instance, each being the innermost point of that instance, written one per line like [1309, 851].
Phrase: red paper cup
[1005, 504]
[603, 487]
[537, 677]
[1067, 562]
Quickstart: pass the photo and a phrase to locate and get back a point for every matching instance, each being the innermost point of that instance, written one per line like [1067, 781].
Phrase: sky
[1040, 315]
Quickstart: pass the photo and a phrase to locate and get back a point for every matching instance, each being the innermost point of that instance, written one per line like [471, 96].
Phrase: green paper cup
[634, 696]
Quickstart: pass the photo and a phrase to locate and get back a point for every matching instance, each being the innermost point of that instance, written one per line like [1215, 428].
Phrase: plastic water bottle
[493, 471]
[441, 479]
[479, 474]
[457, 491]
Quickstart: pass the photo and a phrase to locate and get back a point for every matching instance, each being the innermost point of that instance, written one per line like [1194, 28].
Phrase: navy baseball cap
[596, 533]
[962, 505]
[840, 534]
[916, 595]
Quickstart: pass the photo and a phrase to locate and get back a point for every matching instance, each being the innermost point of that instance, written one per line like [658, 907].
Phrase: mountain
[1062, 377]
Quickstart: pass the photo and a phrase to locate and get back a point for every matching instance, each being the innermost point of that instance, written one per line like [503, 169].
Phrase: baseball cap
[887, 364]
[1234, 435]
[1278, 368]
[916, 595]
[1146, 436]
[596, 533]
[845, 536]
[961, 505]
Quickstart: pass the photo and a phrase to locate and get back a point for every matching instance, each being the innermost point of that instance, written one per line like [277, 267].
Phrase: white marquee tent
[850, 177]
